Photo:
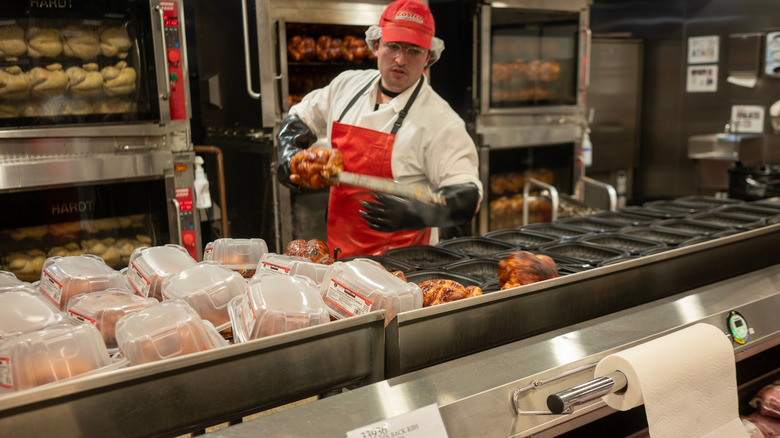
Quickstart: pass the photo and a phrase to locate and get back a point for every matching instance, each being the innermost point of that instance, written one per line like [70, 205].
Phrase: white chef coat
[432, 146]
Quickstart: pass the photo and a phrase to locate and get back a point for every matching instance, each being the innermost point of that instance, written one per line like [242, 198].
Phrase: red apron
[367, 152]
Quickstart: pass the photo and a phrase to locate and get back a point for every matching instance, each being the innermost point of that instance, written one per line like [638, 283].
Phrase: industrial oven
[95, 148]
[523, 97]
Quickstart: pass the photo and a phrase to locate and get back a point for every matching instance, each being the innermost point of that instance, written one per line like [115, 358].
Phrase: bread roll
[80, 42]
[12, 42]
[43, 42]
[114, 41]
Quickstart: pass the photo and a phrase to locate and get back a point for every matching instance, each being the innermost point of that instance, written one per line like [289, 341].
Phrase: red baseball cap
[408, 21]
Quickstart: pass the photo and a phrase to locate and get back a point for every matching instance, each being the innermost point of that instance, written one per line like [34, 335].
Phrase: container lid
[389, 263]
[277, 263]
[64, 277]
[234, 253]
[361, 286]
[476, 246]
[309, 269]
[276, 304]
[523, 239]
[149, 265]
[425, 256]
[8, 279]
[23, 311]
[206, 281]
[92, 307]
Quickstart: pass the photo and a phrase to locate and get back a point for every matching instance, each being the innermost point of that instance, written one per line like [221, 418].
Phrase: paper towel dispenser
[772, 57]
[745, 54]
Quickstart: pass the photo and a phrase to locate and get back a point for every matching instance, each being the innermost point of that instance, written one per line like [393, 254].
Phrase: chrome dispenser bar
[563, 402]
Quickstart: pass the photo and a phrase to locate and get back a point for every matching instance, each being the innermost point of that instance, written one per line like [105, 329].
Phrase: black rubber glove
[294, 136]
[392, 213]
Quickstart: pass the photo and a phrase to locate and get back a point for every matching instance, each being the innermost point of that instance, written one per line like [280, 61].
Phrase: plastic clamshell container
[360, 286]
[276, 304]
[240, 255]
[24, 311]
[63, 278]
[425, 256]
[105, 308]
[150, 265]
[277, 263]
[9, 280]
[522, 239]
[476, 246]
[389, 263]
[169, 329]
[585, 252]
[315, 271]
[50, 355]
[208, 287]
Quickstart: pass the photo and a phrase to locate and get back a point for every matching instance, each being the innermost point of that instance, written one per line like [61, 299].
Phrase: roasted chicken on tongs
[312, 167]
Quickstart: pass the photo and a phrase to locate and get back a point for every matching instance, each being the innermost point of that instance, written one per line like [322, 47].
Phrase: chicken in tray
[441, 291]
[522, 267]
[315, 250]
[311, 167]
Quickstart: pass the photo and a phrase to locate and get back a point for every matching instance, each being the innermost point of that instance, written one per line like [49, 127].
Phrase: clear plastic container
[278, 263]
[240, 255]
[149, 265]
[65, 277]
[208, 287]
[9, 280]
[315, 271]
[104, 308]
[24, 310]
[361, 285]
[276, 304]
[170, 329]
[51, 355]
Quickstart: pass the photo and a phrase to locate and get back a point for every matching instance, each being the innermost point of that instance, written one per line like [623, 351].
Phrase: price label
[425, 422]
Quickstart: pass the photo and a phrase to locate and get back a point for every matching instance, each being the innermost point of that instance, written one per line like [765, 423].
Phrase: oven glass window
[90, 62]
[533, 58]
[108, 220]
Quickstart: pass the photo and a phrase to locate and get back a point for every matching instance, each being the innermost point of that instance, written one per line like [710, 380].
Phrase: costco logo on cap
[411, 16]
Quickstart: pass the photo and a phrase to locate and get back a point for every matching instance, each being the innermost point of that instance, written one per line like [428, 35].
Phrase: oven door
[533, 55]
[107, 66]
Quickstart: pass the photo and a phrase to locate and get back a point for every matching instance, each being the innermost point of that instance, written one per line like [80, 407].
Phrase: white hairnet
[374, 33]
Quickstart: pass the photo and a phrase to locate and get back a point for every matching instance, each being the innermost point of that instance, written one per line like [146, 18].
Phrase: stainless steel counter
[474, 392]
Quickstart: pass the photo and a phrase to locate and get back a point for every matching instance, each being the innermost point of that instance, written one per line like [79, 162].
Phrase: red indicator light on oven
[180, 167]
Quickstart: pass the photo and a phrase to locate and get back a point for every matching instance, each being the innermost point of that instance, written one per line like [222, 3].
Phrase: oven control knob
[173, 56]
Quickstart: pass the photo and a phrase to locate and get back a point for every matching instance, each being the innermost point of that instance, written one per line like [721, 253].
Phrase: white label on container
[78, 317]
[6, 379]
[346, 299]
[424, 422]
[207, 253]
[274, 268]
[51, 288]
[139, 282]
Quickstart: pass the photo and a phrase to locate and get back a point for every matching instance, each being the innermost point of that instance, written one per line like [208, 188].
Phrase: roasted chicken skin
[315, 250]
[310, 167]
[444, 291]
[522, 267]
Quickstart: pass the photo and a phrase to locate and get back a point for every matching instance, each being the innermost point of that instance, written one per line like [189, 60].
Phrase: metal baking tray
[476, 246]
[524, 239]
[625, 242]
[425, 256]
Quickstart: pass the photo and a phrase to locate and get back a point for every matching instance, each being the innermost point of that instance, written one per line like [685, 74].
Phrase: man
[389, 124]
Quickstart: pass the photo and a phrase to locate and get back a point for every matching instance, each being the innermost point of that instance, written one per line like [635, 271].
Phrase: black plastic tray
[772, 203]
[668, 236]
[557, 258]
[690, 226]
[619, 260]
[418, 277]
[389, 263]
[729, 220]
[476, 246]
[425, 256]
[655, 214]
[710, 201]
[697, 239]
[593, 224]
[752, 211]
[485, 269]
[629, 219]
[585, 252]
[524, 239]
[555, 229]
[676, 206]
[625, 242]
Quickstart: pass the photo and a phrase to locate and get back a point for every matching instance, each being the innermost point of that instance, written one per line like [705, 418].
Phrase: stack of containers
[240, 255]
[149, 266]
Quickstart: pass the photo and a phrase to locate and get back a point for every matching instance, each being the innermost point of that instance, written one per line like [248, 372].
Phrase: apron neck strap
[401, 115]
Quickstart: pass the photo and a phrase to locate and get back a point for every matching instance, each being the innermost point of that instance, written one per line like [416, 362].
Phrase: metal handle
[585, 56]
[537, 383]
[159, 10]
[564, 401]
[247, 68]
[585, 181]
[554, 199]
[178, 219]
[135, 147]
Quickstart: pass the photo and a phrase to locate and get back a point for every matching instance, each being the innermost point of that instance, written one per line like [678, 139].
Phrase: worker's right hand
[294, 137]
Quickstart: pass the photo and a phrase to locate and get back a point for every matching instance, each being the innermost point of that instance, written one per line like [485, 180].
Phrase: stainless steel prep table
[474, 393]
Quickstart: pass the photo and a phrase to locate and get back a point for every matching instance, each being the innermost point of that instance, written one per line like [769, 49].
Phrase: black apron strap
[405, 111]
[357, 96]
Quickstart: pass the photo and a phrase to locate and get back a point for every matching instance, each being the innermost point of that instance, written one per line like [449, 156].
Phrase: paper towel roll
[686, 380]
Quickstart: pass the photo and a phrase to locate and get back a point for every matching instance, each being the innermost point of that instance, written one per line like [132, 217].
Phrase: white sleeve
[313, 110]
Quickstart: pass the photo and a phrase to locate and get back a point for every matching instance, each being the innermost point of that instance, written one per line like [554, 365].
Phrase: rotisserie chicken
[43, 42]
[310, 167]
[444, 291]
[315, 250]
[48, 82]
[14, 83]
[522, 267]
[86, 81]
[80, 42]
[114, 41]
[12, 42]
[118, 79]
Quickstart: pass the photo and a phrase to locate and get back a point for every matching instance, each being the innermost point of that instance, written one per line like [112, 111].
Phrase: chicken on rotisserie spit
[444, 291]
[311, 167]
[522, 267]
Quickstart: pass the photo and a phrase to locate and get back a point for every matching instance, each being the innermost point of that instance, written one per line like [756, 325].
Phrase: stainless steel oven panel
[354, 13]
[166, 84]
[53, 170]
[519, 131]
